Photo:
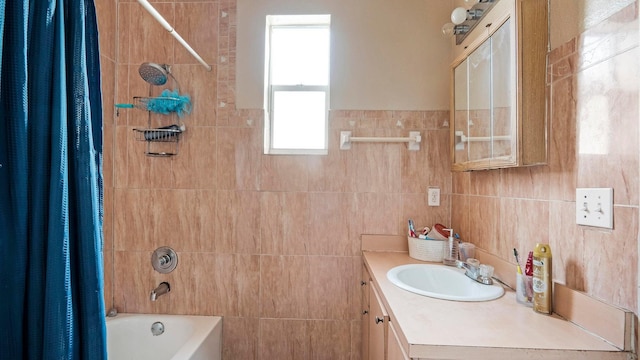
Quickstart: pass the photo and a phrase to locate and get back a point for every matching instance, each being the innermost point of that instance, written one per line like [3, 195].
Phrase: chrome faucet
[162, 289]
[477, 272]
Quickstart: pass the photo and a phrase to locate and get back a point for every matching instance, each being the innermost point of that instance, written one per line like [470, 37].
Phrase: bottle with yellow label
[542, 287]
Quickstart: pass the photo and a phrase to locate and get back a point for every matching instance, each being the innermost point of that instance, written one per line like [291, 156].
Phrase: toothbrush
[412, 230]
[515, 253]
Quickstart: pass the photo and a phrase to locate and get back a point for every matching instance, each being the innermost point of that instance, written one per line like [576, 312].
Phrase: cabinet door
[484, 102]
[461, 112]
[365, 285]
[378, 320]
[499, 91]
[395, 350]
[479, 100]
[503, 95]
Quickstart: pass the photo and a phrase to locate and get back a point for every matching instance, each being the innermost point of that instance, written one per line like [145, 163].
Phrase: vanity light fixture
[471, 3]
[450, 29]
[464, 18]
[460, 15]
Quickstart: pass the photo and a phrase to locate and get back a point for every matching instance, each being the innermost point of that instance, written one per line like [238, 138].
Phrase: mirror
[498, 102]
[502, 85]
[484, 98]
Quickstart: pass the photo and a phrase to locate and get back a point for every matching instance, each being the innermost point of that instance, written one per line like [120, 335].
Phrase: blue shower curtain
[51, 292]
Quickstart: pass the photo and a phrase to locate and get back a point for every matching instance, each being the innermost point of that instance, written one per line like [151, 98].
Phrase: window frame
[293, 21]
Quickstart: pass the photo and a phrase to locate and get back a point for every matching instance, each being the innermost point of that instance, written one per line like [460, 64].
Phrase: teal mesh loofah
[170, 101]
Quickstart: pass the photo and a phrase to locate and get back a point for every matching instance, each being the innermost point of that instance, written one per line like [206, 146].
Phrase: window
[297, 84]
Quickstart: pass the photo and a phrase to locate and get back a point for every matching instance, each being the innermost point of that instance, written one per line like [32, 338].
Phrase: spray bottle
[542, 287]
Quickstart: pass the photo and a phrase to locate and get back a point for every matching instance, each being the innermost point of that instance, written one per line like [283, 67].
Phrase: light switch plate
[594, 207]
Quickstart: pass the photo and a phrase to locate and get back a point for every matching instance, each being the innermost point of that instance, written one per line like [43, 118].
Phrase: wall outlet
[433, 194]
[594, 207]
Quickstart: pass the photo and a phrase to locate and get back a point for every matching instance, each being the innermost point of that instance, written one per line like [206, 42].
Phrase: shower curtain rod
[171, 31]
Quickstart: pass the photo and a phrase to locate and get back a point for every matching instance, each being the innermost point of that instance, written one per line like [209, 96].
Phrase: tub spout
[162, 289]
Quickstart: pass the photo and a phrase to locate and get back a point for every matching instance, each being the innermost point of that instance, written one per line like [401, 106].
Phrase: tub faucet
[162, 289]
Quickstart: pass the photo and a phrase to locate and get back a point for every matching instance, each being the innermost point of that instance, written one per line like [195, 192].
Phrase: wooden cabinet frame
[531, 35]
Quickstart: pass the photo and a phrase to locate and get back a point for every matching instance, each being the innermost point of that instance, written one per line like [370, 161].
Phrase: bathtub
[130, 336]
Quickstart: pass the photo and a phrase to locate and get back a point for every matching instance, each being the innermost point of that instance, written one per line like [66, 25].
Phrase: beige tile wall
[593, 110]
[271, 242]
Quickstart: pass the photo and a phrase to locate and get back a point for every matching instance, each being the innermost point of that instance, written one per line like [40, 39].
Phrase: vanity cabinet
[365, 311]
[394, 347]
[498, 100]
[378, 341]
[378, 326]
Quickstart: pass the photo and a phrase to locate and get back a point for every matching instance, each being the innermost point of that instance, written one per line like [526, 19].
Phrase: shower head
[154, 74]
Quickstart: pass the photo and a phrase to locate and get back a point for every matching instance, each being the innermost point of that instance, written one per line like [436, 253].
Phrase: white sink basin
[442, 282]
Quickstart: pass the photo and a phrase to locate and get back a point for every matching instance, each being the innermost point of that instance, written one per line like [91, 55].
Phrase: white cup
[467, 250]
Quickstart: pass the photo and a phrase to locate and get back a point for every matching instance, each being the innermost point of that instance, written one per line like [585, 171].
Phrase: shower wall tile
[331, 287]
[186, 219]
[217, 284]
[284, 339]
[613, 256]
[607, 126]
[523, 224]
[240, 338]
[147, 172]
[414, 206]
[562, 147]
[119, 148]
[356, 339]
[528, 182]
[106, 14]
[284, 287]
[190, 18]
[108, 209]
[609, 38]
[148, 41]
[460, 215]
[284, 229]
[121, 95]
[239, 156]
[134, 280]
[425, 167]
[461, 183]
[335, 172]
[379, 165]
[329, 339]
[190, 170]
[563, 51]
[484, 222]
[237, 222]
[485, 183]
[199, 84]
[246, 118]
[284, 173]
[107, 80]
[108, 282]
[566, 242]
[124, 32]
[377, 213]
[331, 224]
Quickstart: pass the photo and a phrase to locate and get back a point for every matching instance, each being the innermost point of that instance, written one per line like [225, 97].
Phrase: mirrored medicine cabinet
[498, 110]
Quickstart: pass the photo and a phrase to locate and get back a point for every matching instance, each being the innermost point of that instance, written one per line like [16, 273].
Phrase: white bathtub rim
[201, 329]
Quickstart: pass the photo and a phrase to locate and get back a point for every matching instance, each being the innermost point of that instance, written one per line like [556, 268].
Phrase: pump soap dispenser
[450, 250]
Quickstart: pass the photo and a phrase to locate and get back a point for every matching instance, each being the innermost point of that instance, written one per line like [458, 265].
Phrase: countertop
[501, 328]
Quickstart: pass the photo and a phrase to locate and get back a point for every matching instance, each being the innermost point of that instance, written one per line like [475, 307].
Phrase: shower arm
[145, 4]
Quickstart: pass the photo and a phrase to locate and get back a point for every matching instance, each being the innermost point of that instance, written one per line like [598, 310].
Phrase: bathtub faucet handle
[162, 289]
